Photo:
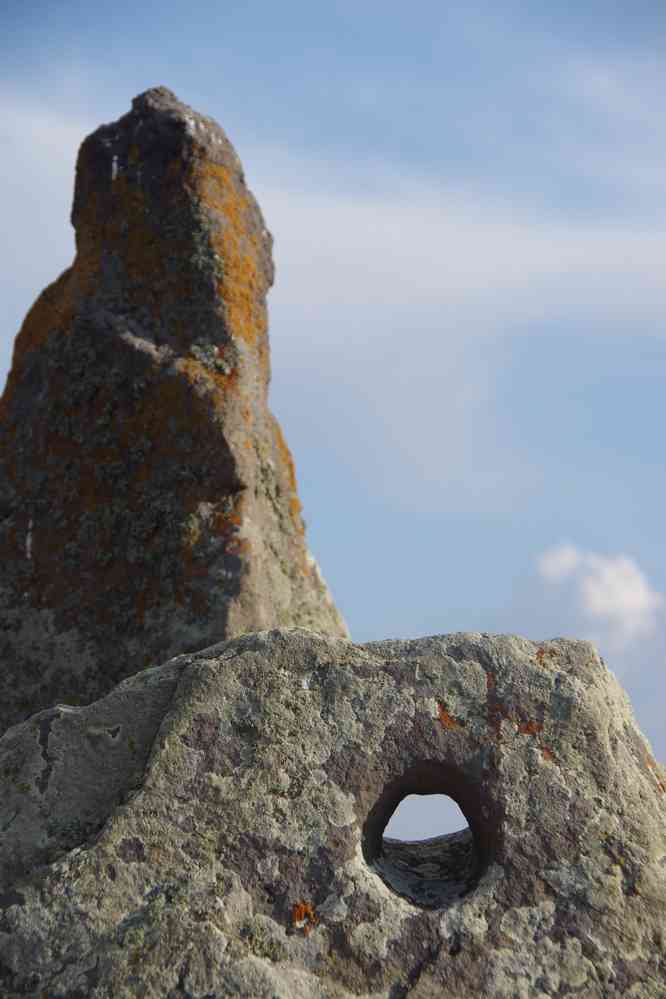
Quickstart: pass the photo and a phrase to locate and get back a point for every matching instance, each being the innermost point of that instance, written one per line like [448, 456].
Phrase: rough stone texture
[148, 500]
[213, 828]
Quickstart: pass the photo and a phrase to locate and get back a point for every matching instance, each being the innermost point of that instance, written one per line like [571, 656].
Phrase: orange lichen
[50, 315]
[529, 728]
[296, 508]
[286, 461]
[447, 720]
[653, 766]
[232, 237]
[303, 917]
[52, 311]
[285, 454]
[542, 652]
[186, 403]
[497, 713]
[536, 728]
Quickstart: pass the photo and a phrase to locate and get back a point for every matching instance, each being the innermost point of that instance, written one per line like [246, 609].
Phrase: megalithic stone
[148, 501]
[218, 827]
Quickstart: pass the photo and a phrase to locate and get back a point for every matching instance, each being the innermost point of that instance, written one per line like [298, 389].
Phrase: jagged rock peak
[164, 100]
[148, 500]
[216, 827]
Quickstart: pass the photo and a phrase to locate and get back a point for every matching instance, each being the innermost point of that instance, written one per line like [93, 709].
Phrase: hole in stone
[424, 838]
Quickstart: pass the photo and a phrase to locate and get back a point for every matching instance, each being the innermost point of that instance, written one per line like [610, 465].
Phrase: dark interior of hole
[426, 778]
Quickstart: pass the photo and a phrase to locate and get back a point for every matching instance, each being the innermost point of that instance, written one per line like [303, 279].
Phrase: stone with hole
[215, 827]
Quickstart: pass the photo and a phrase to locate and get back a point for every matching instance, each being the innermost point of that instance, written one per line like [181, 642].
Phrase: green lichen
[262, 940]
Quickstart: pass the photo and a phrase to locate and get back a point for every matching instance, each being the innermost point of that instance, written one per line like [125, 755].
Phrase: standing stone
[215, 828]
[148, 500]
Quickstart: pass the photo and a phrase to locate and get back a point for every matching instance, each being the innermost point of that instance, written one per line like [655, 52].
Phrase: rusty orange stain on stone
[542, 652]
[496, 711]
[241, 283]
[529, 728]
[284, 453]
[303, 917]
[653, 766]
[447, 720]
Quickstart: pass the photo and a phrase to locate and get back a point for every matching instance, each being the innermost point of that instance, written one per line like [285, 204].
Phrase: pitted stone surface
[148, 501]
[213, 828]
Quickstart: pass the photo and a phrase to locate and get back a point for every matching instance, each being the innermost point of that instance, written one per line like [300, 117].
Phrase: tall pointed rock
[148, 501]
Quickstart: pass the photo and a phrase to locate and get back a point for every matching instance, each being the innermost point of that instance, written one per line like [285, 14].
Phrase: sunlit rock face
[148, 501]
[215, 827]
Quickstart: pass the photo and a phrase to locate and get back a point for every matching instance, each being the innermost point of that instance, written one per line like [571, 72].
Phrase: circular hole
[422, 837]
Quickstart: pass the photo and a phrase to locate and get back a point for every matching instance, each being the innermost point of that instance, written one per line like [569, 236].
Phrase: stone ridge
[148, 501]
[215, 827]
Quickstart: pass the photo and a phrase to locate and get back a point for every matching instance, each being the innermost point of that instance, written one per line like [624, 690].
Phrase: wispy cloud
[616, 127]
[371, 239]
[422, 246]
[611, 592]
[409, 294]
[627, 91]
[393, 284]
[557, 563]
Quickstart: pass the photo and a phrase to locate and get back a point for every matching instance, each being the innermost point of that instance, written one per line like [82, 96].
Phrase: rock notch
[148, 500]
[214, 828]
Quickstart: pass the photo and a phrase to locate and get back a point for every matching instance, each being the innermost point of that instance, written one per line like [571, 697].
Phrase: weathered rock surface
[213, 828]
[148, 501]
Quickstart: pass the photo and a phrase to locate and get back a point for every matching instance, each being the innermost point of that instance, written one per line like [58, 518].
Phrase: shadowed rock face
[148, 500]
[215, 828]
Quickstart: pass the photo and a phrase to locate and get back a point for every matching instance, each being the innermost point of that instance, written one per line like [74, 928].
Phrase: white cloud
[559, 562]
[611, 590]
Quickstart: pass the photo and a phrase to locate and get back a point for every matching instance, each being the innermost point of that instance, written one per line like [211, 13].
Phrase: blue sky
[468, 337]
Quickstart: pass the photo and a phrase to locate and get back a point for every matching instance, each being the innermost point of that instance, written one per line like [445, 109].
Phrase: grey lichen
[242, 850]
